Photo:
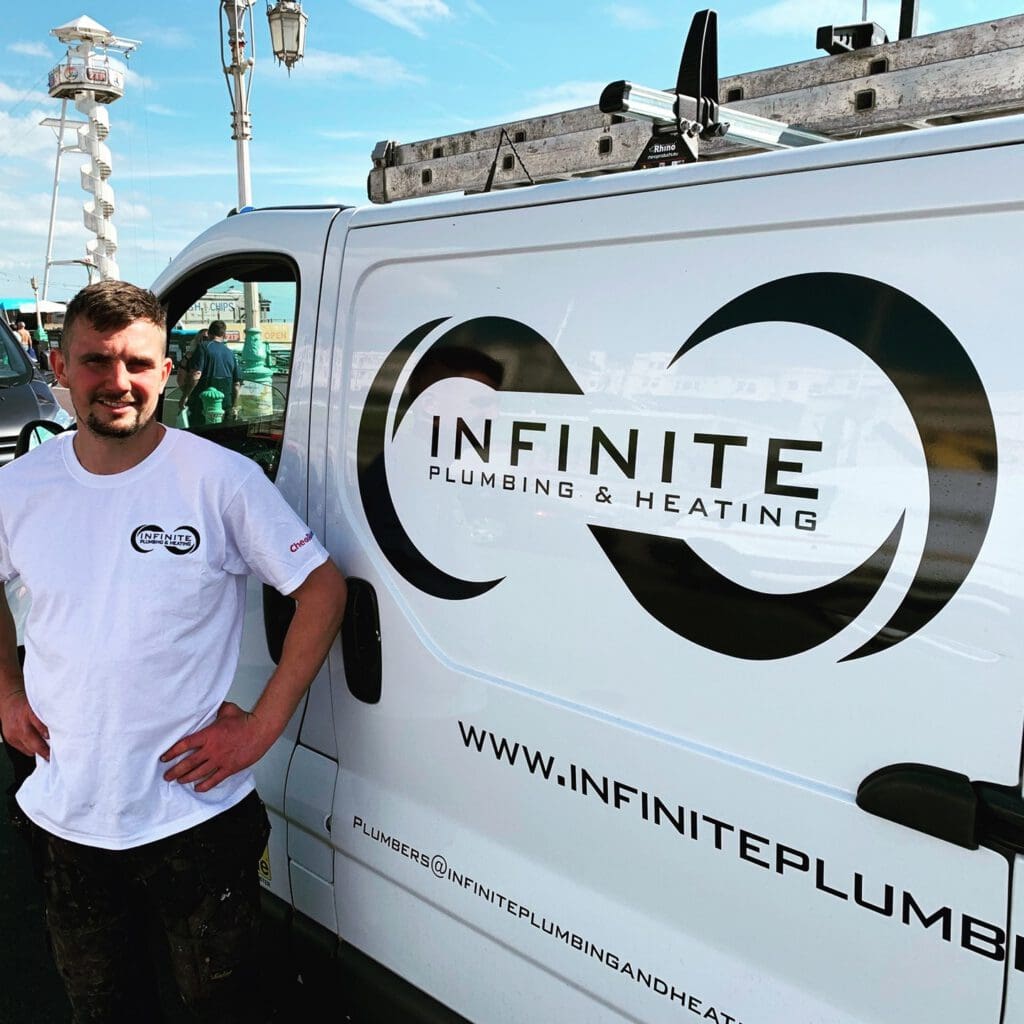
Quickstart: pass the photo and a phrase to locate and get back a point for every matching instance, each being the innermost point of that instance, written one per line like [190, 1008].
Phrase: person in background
[26, 342]
[23, 336]
[212, 366]
[194, 342]
[184, 377]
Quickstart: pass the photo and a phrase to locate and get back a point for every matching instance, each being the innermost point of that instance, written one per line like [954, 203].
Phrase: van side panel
[686, 510]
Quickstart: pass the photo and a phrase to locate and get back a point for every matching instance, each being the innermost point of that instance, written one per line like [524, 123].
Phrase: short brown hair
[108, 305]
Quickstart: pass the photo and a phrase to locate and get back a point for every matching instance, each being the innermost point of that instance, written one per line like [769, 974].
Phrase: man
[143, 796]
[212, 365]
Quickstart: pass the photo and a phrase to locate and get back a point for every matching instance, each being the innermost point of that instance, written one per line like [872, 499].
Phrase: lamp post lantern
[288, 37]
[287, 31]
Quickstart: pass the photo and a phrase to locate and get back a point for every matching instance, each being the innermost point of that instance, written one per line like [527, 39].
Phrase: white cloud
[143, 251]
[30, 215]
[406, 14]
[343, 136]
[347, 173]
[226, 170]
[133, 78]
[12, 96]
[152, 33]
[126, 211]
[480, 11]
[26, 219]
[627, 16]
[382, 70]
[566, 96]
[161, 111]
[27, 49]
[486, 54]
[197, 169]
[335, 174]
[202, 215]
[796, 16]
[25, 145]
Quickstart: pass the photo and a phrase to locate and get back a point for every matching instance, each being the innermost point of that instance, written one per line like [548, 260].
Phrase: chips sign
[272, 333]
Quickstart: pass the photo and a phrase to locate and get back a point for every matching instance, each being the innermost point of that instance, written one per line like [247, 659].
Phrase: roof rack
[958, 75]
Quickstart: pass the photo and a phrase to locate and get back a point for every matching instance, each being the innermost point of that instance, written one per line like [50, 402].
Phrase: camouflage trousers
[197, 893]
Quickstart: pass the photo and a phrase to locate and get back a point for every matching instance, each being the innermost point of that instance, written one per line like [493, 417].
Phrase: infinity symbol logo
[907, 342]
[180, 541]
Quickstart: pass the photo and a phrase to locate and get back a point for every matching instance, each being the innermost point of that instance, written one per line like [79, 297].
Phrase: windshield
[15, 367]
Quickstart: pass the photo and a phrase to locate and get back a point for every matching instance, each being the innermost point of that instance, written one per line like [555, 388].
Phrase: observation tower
[92, 80]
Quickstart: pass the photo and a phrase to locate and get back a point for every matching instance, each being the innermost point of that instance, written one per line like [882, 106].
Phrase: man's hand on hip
[237, 739]
[22, 727]
[233, 742]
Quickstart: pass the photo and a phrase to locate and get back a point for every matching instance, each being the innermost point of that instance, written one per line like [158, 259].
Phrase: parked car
[24, 395]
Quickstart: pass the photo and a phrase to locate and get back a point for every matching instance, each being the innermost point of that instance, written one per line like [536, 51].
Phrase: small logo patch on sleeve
[301, 543]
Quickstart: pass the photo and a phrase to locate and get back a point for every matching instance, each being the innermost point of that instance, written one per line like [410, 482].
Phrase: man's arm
[21, 727]
[238, 739]
[190, 382]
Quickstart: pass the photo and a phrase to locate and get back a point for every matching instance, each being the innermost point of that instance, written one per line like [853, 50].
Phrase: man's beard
[120, 431]
[97, 426]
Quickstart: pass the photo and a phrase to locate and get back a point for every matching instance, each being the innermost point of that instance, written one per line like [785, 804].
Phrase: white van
[682, 675]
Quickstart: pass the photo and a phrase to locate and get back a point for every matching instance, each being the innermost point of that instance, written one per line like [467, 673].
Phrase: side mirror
[34, 433]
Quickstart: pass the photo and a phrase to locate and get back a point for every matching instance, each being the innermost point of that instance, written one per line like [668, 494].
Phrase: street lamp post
[288, 32]
[41, 334]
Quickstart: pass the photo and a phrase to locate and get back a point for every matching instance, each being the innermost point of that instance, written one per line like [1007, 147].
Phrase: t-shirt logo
[180, 541]
[301, 543]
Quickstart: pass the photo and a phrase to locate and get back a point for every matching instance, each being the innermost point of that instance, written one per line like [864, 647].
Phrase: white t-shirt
[137, 589]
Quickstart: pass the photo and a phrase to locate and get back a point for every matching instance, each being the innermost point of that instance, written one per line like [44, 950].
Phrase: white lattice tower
[93, 81]
[98, 211]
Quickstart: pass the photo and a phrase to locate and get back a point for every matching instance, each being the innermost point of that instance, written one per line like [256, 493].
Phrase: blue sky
[374, 69]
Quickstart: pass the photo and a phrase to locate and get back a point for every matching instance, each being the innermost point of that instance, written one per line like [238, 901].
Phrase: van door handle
[947, 805]
[360, 641]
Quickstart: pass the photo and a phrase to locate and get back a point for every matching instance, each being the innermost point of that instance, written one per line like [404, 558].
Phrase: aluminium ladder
[956, 75]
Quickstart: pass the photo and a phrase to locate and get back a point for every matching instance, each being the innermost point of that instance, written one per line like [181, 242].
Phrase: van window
[233, 389]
